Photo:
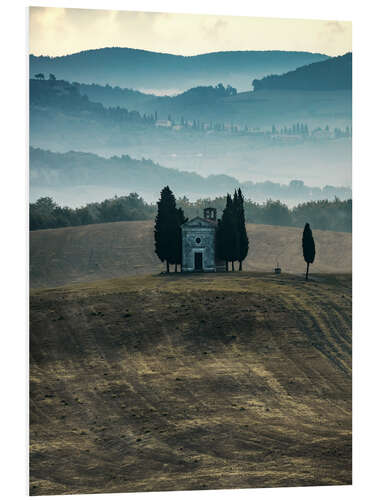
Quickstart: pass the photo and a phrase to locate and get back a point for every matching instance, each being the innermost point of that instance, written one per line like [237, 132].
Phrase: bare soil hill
[190, 382]
[100, 251]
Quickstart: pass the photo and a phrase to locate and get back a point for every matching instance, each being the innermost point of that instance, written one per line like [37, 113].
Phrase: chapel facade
[199, 244]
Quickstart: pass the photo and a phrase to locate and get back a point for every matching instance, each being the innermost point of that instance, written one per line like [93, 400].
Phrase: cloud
[335, 27]
[214, 29]
[56, 31]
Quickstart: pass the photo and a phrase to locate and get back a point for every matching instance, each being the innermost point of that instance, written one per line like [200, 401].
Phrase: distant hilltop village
[289, 134]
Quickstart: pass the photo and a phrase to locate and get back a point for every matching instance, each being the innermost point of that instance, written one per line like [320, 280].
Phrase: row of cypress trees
[232, 240]
[167, 232]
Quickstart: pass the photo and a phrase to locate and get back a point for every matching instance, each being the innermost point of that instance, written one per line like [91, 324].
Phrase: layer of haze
[57, 32]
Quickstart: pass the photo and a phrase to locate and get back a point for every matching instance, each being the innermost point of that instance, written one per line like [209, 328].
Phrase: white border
[14, 236]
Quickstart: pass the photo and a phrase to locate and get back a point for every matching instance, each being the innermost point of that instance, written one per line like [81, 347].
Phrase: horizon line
[187, 56]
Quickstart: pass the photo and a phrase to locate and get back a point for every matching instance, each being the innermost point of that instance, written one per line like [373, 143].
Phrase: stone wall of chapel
[198, 238]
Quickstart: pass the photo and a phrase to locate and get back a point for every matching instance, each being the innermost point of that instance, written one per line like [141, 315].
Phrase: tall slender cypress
[242, 233]
[167, 228]
[308, 247]
[219, 243]
[227, 234]
[181, 219]
[234, 234]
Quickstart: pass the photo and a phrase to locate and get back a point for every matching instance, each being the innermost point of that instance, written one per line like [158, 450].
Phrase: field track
[101, 251]
[190, 382]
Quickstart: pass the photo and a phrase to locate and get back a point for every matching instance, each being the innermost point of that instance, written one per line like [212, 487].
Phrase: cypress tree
[219, 243]
[242, 234]
[221, 234]
[230, 232]
[227, 234]
[167, 228]
[234, 234]
[181, 219]
[220, 252]
[308, 247]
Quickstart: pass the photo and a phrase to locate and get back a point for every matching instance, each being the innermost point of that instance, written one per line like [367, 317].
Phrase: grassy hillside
[79, 254]
[190, 382]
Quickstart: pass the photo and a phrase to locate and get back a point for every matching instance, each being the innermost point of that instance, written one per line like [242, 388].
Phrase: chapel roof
[195, 222]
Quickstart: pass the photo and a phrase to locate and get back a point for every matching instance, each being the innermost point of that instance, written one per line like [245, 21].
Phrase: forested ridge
[331, 74]
[60, 95]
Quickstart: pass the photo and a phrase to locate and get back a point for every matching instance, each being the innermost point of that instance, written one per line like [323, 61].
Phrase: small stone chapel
[199, 244]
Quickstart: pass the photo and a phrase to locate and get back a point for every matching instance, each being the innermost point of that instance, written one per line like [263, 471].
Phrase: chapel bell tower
[209, 213]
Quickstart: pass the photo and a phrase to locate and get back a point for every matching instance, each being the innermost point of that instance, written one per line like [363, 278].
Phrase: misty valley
[288, 139]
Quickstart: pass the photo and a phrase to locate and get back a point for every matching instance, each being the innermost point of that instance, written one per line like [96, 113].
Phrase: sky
[58, 31]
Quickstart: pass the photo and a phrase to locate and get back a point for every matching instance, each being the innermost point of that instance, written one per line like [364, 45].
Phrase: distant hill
[190, 101]
[212, 129]
[123, 173]
[166, 73]
[117, 96]
[331, 74]
[75, 178]
[117, 249]
[201, 101]
[62, 118]
[66, 98]
[216, 103]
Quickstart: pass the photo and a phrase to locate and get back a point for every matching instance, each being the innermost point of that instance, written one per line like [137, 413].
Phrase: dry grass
[190, 382]
[85, 253]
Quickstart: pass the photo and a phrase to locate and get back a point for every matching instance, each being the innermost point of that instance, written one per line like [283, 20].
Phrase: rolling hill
[166, 73]
[62, 119]
[99, 251]
[117, 96]
[75, 177]
[157, 383]
[331, 74]
[78, 170]
[278, 99]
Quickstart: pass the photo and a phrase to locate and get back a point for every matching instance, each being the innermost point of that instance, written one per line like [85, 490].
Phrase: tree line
[45, 213]
[335, 215]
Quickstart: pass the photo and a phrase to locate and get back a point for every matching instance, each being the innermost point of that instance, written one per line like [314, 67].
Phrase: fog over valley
[91, 139]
